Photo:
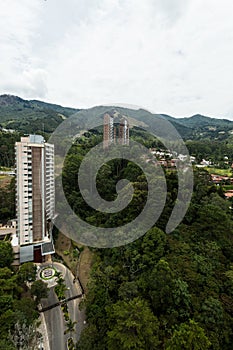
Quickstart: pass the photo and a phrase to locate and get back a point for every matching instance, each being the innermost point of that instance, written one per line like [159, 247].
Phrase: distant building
[205, 162]
[228, 194]
[115, 133]
[124, 132]
[109, 134]
[34, 197]
[220, 179]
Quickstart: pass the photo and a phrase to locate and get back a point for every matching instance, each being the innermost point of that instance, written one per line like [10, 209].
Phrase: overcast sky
[169, 56]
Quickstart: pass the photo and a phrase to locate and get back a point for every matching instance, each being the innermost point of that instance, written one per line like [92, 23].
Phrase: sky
[167, 56]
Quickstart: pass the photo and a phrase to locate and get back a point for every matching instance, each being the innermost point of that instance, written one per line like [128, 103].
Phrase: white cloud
[30, 83]
[170, 56]
[18, 68]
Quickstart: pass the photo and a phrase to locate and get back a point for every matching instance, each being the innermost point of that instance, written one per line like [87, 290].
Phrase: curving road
[54, 318]
[73, 305]
[54, 323]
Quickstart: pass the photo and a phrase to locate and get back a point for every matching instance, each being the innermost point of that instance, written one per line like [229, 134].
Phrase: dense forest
[7, 201]
[215, 151]
[7, 148]
[163, 291]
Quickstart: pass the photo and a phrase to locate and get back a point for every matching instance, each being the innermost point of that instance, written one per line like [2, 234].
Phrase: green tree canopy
[188, 336]
[132, 326]
[6, 254]
[27, 272]
[39, 289]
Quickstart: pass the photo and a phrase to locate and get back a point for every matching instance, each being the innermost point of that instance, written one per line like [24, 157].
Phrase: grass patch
[227, 187]
[221, 172]
[64, 249]
[3, 168]
[63, 245]
[85, 264]
[5, 180]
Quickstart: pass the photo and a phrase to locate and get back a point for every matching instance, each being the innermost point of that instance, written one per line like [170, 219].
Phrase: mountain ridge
[35, 116]
[31, 116]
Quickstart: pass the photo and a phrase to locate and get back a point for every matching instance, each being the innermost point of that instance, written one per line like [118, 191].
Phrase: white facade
[124, 131]
[35, 191]
[49, 181]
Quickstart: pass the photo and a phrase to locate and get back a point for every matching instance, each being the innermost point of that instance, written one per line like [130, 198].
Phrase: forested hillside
[32, 116]
[7, 199]
[163, 291]
[19, 117]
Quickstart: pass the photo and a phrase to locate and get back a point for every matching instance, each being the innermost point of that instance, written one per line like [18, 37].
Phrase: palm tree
[59, 278]
[70, 327]
[60, 291]
[57, 274]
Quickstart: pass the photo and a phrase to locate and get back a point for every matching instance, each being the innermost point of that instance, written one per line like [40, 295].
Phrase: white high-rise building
[124, 132]
[35, 197]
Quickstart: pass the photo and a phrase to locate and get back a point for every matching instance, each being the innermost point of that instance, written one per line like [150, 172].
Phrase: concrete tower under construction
[124, 132]
[108, 137]
[118, 133]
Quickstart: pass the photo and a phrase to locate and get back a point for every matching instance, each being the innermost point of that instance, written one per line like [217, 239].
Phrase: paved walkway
[43, 330]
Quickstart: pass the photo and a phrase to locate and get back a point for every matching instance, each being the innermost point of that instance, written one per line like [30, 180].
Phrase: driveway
[54, 318]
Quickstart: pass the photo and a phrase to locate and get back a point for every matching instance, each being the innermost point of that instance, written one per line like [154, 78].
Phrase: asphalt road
[54, 323]
[75, 314]
[54, 318]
